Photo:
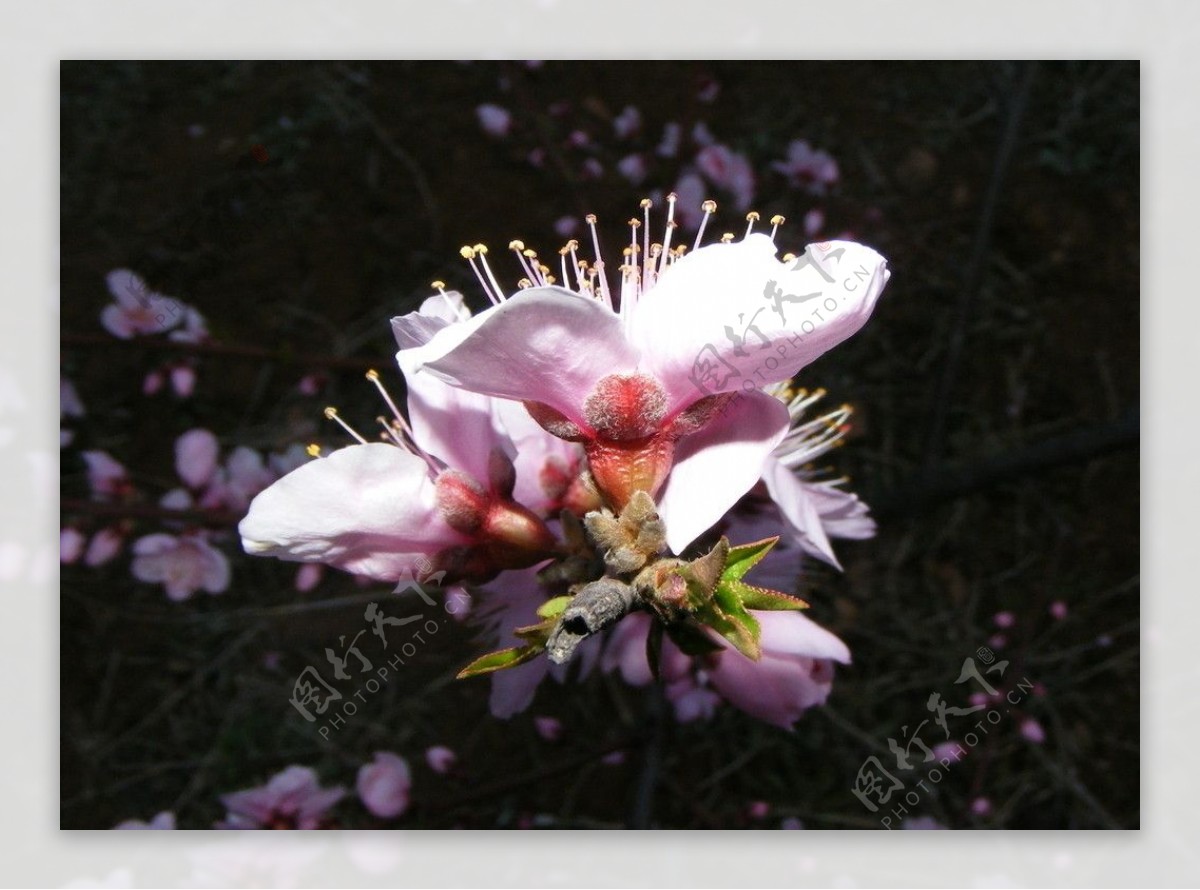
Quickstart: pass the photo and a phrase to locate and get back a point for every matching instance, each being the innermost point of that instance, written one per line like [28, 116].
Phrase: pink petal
[440, 759]
[127, 288]
[455, 425]
[799, 510]
[384, 785]
[718, 464]
[196, 453]
[720, 301]
[436, 312]
[70, 545]
[788, 634]
[842, 514]
[103, 547]
[368, 509]
[546, 344]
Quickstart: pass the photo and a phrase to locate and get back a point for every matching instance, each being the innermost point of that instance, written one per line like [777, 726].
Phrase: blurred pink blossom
[183, 565]
[808, 168]
[814, 220]
[384, 785]
[1058, 610]
[922, 823]
[495, 120]
[1004, 619]
[707, 90]
[106, 476]
[633, 168]
[196, 453]
[164, 821]
[672, 135]
[105, 545]
[566, 226]
[70, 545]
[440, 759]
[137, 309]
[291, 799]
[549, 728]
[591, 169]
[1032, 731]
[730, 171]
[153, 383]
[308, 576]
[183, 380]
[628, 122]
[981, 806]
[758, 809]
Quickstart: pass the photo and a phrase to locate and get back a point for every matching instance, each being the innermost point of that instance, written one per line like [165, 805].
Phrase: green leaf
[498, 661]
[552, 608]
[765, 599]
[744, 557]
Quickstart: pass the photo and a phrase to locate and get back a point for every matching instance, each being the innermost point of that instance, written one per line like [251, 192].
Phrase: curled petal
[368, 509]
[546, 345]
[731, 313]
[800, 510]
[718, 464]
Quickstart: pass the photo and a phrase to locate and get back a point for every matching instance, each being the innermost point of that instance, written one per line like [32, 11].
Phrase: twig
[220, 518]
[1076, 447]
[973, 273]
[236, 350]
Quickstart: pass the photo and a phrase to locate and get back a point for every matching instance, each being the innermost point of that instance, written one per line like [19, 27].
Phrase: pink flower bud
[384, 785]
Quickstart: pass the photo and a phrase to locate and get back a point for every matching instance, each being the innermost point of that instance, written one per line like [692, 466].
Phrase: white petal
[369, 509]
[717, 465]
[799, 510]
[545, 344]
[731, 313]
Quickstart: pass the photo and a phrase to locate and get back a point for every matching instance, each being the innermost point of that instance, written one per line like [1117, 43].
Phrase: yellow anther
[481, 249]
[777, 220]
[313, 450]
[752, 216]
[372, 375]
[646, 203]
[467, 253]
[709, 206]
[330, 413]
[516, 245]
[437, 285]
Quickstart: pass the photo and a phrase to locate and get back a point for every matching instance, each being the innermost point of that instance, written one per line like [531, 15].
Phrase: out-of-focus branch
[237, 350]
[117, 510]
[952, 482]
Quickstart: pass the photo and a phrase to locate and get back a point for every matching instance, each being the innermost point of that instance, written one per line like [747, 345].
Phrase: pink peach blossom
[658, 366]
[183, 565]
[196, 453]
[292, 798]
[137, 309]
[384, 785]
[440, 759]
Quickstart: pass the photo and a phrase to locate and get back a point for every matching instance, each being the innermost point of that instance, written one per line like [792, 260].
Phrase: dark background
[996, 396]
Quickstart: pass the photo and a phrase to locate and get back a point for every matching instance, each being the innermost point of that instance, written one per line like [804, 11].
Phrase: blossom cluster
[590, 454]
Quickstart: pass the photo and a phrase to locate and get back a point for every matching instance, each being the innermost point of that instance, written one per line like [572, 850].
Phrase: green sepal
[764, 598]
[498, 661]
[733, 622]
[744, 557]
[552, 608]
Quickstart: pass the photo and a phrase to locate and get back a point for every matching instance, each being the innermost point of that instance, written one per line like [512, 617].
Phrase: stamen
[776, 222]
[536, 268]
[331, 414]
[751, 219]
[518, 247]
[671, 225]
[460, 312]
[313, 450]
[599, 265]
[468, 254]
[646, 282]
[481, 250]
[709, 207]
[727, 238]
